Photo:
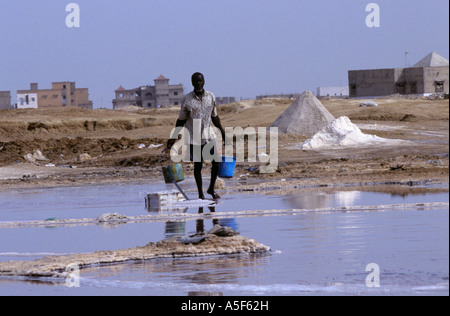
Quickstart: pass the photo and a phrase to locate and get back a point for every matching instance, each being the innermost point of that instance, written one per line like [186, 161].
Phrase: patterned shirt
[198, 114]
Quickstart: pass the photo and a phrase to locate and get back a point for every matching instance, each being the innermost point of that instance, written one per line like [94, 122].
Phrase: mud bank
[62, 266]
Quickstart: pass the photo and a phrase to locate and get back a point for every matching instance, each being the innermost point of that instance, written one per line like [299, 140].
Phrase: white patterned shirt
[192, 108]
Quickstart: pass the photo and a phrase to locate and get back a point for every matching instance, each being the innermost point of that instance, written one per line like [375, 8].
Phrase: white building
[27, 101]
[340, 92]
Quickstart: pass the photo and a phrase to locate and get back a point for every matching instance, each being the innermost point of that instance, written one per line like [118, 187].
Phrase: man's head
[198, 82]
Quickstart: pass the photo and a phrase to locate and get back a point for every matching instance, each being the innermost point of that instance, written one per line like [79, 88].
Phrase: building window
[400, 87]
[175, 93]
[149, 105]
[120, 95]
[44, 97]
[439, 86]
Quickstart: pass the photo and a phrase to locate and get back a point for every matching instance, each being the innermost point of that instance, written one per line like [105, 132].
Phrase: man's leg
[198, 179]
[214, 174]
[195, 156]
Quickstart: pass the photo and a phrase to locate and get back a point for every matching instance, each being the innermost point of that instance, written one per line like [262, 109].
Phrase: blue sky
[243, 47]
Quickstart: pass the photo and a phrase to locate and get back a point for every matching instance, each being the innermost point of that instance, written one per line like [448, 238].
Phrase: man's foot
[214, 195]
[201, 197]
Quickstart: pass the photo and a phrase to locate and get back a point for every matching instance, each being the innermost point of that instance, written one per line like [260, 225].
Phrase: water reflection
[324, 198]
[319, 199]
[178, 228]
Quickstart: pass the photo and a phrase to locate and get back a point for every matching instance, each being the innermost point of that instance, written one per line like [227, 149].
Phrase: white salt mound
[343, 133]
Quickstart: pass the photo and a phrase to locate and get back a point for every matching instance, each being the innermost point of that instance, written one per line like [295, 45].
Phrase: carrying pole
[181, 190]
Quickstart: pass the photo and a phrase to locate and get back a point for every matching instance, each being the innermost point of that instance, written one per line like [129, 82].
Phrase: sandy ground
[112, 139]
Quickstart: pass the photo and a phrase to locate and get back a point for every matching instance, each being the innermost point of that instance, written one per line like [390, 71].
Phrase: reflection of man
[200, 222]
[200, 105]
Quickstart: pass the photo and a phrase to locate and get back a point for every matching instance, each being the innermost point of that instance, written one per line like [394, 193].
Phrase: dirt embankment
[119, 144]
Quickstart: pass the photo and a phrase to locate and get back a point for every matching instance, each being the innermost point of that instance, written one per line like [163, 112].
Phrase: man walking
[199, 108]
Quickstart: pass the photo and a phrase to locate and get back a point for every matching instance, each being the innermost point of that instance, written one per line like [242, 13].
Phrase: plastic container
[173, 173]
[227, 167]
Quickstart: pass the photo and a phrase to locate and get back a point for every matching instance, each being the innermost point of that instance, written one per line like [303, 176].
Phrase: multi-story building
[60, 95]
[5, 100]
[429, 75]
[160, 95]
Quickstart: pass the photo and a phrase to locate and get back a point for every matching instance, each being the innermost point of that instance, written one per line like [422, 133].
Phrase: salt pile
[343, 133]
[305, 116]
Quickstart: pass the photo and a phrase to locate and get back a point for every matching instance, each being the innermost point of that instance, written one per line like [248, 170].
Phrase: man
[200, 105]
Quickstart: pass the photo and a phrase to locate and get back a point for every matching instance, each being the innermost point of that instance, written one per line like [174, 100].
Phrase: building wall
[371, 82]
[175, 94]
[414, 80]
[436, 79]
[162, 92]
[67, 91]
[62, 94]
[124, 98]
[225, 100]
[49, 98]
[81, 98]
[332, 92]
[148, 97]
[27, 100]
[408, 81]
[5, 100]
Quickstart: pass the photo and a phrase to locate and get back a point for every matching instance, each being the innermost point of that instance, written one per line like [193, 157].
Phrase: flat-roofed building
[61, 94]
[429, 75]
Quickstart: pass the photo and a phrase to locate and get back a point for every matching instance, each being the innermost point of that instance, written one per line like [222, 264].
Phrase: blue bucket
[227, 167]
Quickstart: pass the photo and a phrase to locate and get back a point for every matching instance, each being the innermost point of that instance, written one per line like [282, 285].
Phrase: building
[5, 100]
[225, 100]
[160, 95]
[61, 94]
[291, 96]
[336, 92]
[429, 75]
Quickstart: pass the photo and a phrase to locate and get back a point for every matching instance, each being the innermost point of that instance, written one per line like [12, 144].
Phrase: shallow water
[312, 253]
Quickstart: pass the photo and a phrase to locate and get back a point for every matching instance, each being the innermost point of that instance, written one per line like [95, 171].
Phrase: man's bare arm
[173, 138]
[218, 124]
